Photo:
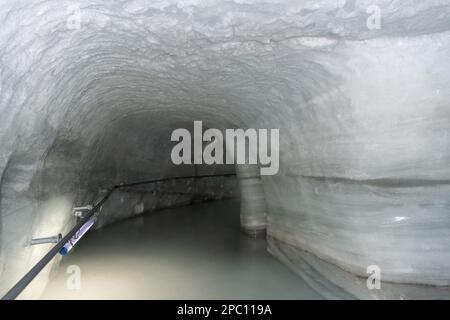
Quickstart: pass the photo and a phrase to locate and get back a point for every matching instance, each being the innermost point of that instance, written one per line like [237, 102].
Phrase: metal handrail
[30, 275]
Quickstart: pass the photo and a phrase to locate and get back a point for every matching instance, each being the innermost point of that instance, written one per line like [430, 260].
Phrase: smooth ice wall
[363, 117]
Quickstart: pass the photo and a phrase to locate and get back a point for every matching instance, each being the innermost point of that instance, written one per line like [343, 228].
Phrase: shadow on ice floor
[192, 252]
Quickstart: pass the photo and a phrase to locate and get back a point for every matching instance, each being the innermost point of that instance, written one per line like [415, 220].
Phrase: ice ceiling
[90, 91]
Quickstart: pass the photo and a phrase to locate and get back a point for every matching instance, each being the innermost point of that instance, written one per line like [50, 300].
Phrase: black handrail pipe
[30, 275]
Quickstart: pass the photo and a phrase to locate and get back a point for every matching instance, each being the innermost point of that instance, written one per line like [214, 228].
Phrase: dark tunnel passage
[134, 152]
[91, 95]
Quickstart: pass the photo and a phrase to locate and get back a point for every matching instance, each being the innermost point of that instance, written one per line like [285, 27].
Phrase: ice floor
[192, 252]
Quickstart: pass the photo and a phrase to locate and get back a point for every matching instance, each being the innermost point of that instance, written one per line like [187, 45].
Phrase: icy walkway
[194, 252]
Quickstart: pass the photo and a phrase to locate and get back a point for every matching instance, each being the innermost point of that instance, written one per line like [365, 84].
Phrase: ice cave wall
[89, 91]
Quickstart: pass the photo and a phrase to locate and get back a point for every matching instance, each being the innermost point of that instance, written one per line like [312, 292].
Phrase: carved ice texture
[91, 90]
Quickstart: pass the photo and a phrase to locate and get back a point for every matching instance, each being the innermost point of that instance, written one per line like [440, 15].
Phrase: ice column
[253, 205]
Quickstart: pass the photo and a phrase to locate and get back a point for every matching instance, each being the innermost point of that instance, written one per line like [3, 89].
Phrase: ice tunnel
[90, 91]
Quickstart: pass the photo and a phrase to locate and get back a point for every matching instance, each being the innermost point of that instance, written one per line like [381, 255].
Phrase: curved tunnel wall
[363, 117]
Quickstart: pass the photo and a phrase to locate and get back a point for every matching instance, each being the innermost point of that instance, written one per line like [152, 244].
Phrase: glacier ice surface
[90, 90]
